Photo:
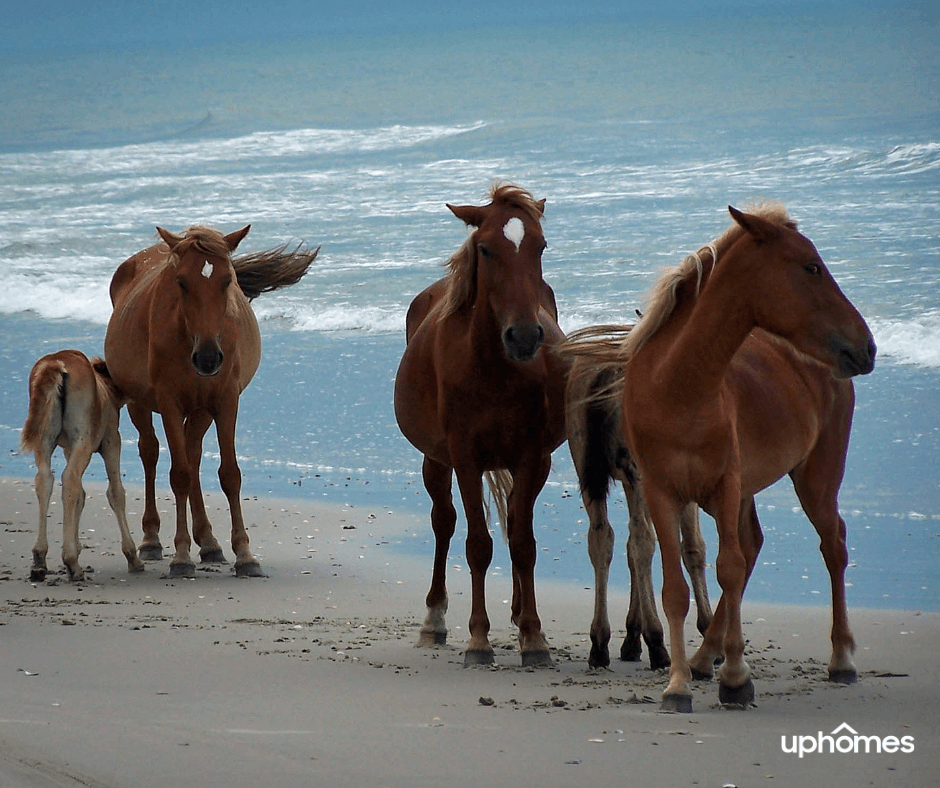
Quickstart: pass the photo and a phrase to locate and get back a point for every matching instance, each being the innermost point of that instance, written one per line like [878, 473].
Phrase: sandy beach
[310, 676]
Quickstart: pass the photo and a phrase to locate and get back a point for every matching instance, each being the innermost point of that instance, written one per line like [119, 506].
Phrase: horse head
[201, 261]
[506, 251]
[796, 297]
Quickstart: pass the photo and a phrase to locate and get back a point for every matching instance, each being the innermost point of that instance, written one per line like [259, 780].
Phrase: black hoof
[599, 657]
[536, 659]
[212, 556]
[701, 675]
[150, 552]
[249, 569]
[843, 676]
[631, 649]
[659, 657]
[677, 702]
[37, 574]
[742, 696]
[183, 570]
[471, 658]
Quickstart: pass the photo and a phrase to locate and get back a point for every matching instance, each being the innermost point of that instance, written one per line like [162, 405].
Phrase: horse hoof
[37, 574]
[843, 676]
[677, 702]
[431, 639]
[212, 556]
[249, 569]
[183, 570]
[742, 696]
[150, 552]
[599, 657]
[659, 657]
[479, 657]
[135, 566]
[701, 675]
[537, 659]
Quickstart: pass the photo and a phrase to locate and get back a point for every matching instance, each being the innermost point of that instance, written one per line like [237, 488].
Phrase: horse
[600, 454]
[73, 403]
[183, 342]
[740, 372]
[478, 394]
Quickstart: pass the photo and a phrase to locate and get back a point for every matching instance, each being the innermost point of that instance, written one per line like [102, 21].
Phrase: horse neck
[704, 337]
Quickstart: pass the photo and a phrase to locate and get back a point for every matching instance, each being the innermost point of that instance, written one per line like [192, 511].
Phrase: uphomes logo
[845, 739]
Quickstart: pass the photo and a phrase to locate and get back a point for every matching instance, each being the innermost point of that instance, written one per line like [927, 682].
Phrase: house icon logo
[845, 740]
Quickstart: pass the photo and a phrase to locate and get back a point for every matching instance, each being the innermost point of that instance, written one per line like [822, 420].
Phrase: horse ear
[232, 240]
[541, 206]
[169, 238]
[468, 214]
[758, 228]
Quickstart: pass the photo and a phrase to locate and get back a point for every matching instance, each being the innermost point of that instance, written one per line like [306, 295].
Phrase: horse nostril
[207, 360]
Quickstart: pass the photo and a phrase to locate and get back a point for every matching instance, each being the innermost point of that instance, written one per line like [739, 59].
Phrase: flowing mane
[686, 279]
[461, 273]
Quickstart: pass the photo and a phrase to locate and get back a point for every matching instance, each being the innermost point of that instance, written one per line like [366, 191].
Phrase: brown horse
[477, 392]
[73, 403]
[737, 374]
[595, 438]
[183, 342]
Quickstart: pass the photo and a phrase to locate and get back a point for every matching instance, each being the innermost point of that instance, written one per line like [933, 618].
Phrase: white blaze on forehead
[514, 230]
[207, 270]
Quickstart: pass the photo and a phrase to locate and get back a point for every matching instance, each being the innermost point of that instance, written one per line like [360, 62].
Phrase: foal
[73, 403]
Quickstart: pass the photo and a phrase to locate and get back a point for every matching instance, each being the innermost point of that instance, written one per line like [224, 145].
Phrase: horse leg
[665, 516]
[149, 449]
[438, 481]
[642, 617]
[751, 539]
[693, 556]
[110, 450]
[818, 499]
[230, 478]
[479, 547]
[73, 502]
[45, 481]
[600, 538]
[528, 480]
[210, 551]
[734, 682]
[181, 565]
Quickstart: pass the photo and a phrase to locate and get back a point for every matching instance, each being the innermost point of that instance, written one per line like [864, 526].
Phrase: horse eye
[226, 283]
[485, 252]
[812, 268]
[182, 284]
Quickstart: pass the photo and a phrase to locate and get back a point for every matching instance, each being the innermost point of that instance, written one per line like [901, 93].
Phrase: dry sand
[309, 677]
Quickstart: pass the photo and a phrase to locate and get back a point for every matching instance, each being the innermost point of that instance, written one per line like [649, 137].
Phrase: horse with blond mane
[478, 393]
[738, 373]
[183, 342]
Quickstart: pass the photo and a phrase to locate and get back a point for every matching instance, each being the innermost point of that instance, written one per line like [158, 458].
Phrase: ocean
[637, 134]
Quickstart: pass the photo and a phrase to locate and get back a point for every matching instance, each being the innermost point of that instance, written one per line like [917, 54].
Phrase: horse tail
[47, 383]
[596, 352]
[500, 484]
[262, 272]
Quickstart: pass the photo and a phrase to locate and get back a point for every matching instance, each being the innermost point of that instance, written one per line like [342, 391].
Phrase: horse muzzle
[207, 359]
[856, 361]
[521, 343]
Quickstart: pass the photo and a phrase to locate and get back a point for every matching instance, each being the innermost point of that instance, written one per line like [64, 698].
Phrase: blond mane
[461, 268]
[693, 270]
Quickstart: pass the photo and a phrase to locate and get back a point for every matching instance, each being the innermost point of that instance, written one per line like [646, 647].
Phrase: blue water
[637, 134]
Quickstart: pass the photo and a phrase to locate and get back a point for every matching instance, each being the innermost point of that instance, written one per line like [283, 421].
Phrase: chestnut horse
[183, 342]
[73, 403]
[478, 392]
[737, 374]
[595, 438]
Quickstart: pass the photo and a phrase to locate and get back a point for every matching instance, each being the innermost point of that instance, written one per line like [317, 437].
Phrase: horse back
[134, 267]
